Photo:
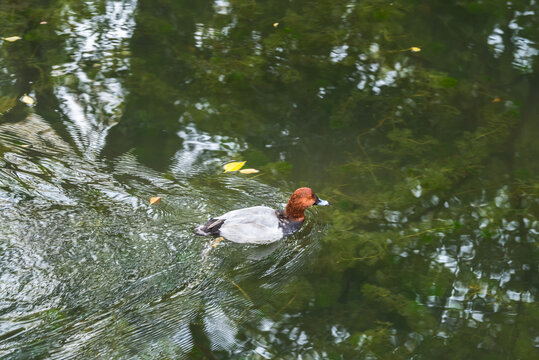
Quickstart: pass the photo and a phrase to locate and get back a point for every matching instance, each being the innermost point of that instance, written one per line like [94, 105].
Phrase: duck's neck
[294, 213]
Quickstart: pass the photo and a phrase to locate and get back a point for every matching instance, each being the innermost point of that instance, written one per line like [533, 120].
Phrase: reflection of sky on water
[496, 41]
[222, 7]
[96, 45]
[338, 53]
[199, 148]
[525, 51]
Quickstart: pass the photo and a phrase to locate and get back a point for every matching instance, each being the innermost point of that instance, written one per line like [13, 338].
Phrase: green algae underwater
[417, 120]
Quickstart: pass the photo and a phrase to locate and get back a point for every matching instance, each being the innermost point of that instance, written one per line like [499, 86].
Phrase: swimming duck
[261, 224]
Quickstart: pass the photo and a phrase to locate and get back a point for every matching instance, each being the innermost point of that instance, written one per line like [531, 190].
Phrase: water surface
[417, 120]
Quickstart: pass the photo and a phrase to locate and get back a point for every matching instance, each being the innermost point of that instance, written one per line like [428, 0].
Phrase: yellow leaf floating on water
[496, 100]
[234, 166]
[275, 24]
[217, 241]
[249, 171]
[27, 100]
[12, 38]
[415, 49]
[155, 200]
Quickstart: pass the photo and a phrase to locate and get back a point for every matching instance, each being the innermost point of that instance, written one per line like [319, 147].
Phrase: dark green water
[430, 160]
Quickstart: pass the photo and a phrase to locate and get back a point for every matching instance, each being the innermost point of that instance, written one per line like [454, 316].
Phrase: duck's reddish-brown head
[300, 200]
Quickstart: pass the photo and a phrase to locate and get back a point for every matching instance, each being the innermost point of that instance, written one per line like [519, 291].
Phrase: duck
[262, 224]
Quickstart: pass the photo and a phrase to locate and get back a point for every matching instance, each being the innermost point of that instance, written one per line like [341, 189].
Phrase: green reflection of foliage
[436, 130]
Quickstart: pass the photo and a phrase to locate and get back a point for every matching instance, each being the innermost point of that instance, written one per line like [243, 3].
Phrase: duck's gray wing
[210, 228]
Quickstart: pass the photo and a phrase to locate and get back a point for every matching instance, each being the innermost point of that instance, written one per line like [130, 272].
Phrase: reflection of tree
[29, 60]
[161, 67]
[431, 139]
[442, 138]
[69, 59]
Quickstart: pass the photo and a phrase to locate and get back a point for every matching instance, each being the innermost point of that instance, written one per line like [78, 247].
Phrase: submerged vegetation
[417, 119]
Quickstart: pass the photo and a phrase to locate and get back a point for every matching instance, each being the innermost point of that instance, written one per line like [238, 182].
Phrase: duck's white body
[255, 225]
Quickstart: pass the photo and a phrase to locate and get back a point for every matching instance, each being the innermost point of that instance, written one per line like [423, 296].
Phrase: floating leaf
[249, 171]
[217, 241]
[155, 200]
[275, 24]
[27, 100]
[415, 49]
[234, 166]
[12, 38]
[496, 100]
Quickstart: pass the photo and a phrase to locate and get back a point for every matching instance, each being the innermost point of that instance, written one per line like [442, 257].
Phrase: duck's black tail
[211, 228]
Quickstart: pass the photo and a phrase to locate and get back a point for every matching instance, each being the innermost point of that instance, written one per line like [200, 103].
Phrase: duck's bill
[321, 202]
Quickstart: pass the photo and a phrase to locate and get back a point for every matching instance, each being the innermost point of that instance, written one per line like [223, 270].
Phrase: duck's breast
[257, 225]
